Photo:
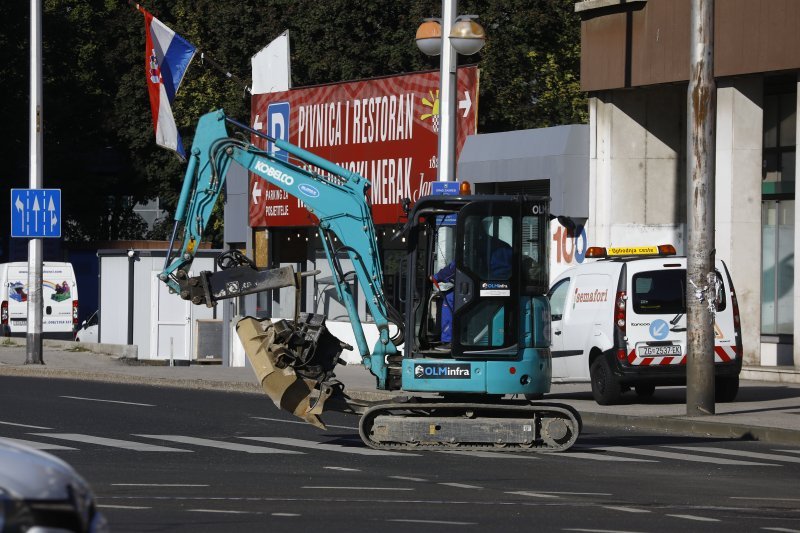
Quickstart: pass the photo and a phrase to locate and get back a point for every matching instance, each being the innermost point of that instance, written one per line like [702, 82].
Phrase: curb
[670, 424]
[695, 427]
[118, 350]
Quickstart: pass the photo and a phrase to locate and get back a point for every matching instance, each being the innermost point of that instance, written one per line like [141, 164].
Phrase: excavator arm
[335, 196]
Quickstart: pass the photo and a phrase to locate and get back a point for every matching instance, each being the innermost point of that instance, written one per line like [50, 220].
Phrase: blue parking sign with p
[278, 127]
[36, 213]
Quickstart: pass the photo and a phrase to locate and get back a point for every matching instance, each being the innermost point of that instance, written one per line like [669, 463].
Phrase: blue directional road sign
[35, 213]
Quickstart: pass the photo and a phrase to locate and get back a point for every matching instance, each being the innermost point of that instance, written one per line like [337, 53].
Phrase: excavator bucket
[270, 353]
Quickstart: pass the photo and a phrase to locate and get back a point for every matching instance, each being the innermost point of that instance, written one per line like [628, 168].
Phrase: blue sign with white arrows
[36, 213]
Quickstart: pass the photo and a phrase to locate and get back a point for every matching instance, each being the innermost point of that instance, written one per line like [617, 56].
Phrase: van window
[664, 292]
[558, 297]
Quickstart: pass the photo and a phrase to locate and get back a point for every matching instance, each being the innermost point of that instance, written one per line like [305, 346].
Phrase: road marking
[625, 509]
[342, 468]
[489, 455]
[327, 447]
[781, 529]
[355, 488]
[157, 485]
[122, 507]
[693, 517]
[461, 486]
[740, 453]
[679, 456]
[598, 530]
[22, 425]
[39, 445]
[438, 522]
[299, 422]
[111, 443]
[408, 478]
[107, 401]
[532, 494]
[603, 457]
[285, 514]
[221, 511]
[233, 446]
[788, 451]
[765, 499]
[575, 493]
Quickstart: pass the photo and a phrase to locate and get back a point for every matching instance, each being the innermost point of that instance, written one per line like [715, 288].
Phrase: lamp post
[465, 37]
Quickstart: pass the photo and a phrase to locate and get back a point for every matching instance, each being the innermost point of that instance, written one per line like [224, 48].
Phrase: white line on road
[461, 486]
[224, 445]
[107, 401]
[532, 494]
[597, 530]
[489, 455]
[22, 425]
[157, 485]
[286, 514]
[112, 443]
[437, 522]
[341, 468]
[602, 457]
[299, 422]
[788, 451]
[327, 447]
[740, 453]
[39, 445]
[781, 529]
[122, 507]
[679, 456]
[574, 493]
[408, 478]
[625, 509]
[221, 511]
[765, 499]
[355, 488]
[693, 517]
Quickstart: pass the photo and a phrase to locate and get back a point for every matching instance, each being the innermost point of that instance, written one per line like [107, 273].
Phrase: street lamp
[465, 37]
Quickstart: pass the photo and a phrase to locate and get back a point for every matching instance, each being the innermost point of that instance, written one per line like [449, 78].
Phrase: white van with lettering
[59, 300]
[620, 323]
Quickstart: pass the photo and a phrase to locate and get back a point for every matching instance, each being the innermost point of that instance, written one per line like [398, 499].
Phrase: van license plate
[655, 351]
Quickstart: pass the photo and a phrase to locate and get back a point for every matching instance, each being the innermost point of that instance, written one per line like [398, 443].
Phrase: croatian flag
[167, 57]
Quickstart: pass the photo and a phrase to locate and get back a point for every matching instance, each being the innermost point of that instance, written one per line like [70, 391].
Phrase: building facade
[635, 68]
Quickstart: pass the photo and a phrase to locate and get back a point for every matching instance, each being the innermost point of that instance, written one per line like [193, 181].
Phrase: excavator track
[537, 427]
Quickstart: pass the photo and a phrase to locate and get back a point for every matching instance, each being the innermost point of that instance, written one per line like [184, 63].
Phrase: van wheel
[726, 388]
[645, 390]
[605, 387]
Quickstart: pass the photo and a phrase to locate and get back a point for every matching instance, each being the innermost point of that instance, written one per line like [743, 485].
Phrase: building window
[777, 206]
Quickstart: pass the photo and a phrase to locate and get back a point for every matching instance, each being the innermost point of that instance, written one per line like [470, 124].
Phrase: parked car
[40, 492]
[89, 329]
[620, 322]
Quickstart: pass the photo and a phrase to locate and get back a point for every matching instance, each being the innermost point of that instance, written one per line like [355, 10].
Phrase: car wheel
[605, 387]
[726, 388]
[645, 390]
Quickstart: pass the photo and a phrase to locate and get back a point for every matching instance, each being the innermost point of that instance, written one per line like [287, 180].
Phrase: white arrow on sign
[257, 124]
[36, 211]
[256, 193]
[53, 218]
[465, 104]
[19, 205]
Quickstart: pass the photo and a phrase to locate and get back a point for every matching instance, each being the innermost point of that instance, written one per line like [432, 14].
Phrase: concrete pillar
[738, 200]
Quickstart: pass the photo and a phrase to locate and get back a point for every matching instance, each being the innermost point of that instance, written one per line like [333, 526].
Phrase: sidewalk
[764, 409]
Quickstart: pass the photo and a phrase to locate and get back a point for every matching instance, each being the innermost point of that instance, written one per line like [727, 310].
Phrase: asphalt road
[163, 459]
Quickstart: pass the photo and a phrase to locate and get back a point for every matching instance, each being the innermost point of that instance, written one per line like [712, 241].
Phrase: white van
[620, 322]
[59, 300]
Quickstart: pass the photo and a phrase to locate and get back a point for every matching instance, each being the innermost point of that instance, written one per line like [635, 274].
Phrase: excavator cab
[492, 251]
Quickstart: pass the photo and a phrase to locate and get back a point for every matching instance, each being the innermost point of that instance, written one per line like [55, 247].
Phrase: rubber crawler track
[534, 411]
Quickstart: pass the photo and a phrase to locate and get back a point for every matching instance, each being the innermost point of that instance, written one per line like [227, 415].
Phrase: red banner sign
[386, 129]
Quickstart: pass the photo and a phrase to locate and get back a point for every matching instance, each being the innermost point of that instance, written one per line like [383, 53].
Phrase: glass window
[488, 246]
[777, 267]
[486, 325]
[534, 255]
[659, 292]
[558, 298]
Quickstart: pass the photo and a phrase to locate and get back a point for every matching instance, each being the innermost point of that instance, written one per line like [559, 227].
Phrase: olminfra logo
[446, 371]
